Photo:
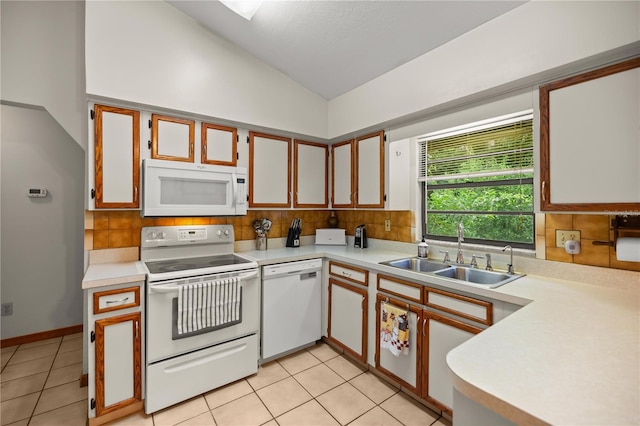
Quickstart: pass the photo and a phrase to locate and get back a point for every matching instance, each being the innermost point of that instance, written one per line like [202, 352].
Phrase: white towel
[208, 304]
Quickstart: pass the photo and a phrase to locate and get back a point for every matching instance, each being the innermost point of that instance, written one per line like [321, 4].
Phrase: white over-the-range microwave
[185, 189]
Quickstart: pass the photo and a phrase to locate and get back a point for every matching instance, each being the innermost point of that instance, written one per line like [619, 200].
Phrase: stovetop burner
[174, 265]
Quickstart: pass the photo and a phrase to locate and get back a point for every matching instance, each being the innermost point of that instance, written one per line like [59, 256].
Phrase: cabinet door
[172, 138]
[348, 318]
[269, 170]
[370, 171]
[404, 368]
[117, 157]
[311, 163]
[589, 142]
[442, 335]
[118, 362]
[342, 174]
[219, 145]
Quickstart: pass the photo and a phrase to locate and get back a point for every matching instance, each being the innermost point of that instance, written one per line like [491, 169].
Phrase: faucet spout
[510, 265]
[459, 257]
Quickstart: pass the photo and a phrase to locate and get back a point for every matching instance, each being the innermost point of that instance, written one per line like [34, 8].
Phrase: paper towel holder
[625, 223]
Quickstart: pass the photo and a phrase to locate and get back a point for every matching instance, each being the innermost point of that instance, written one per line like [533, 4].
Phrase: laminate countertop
[570, 355]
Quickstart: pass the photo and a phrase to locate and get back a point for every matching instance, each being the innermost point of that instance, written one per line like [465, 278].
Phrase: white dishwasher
[291, 306]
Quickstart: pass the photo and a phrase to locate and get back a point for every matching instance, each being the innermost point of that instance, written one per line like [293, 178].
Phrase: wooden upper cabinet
[219, 144]
[311, 164]
[342, 174]
[369, 151]
[172, 138]
[269, 170]
[117, 157]
[589, 141]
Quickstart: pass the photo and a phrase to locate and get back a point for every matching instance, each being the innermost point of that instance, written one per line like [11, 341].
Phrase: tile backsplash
[117, 229]
[593, 228]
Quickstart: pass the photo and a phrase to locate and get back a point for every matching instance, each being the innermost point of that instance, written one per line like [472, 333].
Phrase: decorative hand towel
[211, 304]
[394, 329]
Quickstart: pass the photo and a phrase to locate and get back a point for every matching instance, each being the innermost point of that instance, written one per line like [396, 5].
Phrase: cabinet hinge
[93, 114]
[149, 123]
[93, 404]
[385, 137]
[247, 139]
[149, 144]
[237, 138]
[93, 336]
[93, 193]
[237, 155]
[247, 197]
[385, 197]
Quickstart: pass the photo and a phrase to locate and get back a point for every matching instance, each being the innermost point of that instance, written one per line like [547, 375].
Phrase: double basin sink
[462, 273]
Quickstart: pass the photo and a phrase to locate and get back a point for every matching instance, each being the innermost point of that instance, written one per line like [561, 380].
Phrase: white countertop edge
[106, 274]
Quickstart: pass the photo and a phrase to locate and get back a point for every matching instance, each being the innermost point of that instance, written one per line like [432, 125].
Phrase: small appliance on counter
[331, 237]
[360, 237]
[293, 236]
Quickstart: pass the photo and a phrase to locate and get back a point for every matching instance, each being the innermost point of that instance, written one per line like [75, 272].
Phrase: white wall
[42, 238]
[43, 59]
[153, 54]
[515, 49]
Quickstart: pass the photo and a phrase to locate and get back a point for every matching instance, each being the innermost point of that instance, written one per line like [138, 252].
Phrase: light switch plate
[564, 236]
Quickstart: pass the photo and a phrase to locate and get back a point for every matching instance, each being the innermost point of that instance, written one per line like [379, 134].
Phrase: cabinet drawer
[456, 304]
[349, 273]
[114, 300]
[398, 287]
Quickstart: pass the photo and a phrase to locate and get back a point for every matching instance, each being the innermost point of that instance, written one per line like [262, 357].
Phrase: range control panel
[162, 236]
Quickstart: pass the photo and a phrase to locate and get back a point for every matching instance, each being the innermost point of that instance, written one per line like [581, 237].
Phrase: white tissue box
[331, 237]
[628, 249]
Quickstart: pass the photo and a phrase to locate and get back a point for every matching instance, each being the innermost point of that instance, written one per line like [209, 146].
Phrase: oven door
[162, 340]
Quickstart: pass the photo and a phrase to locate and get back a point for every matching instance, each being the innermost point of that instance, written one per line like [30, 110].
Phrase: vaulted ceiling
[332, 47]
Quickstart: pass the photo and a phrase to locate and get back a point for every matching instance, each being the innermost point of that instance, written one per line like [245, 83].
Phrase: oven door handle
[173, 288]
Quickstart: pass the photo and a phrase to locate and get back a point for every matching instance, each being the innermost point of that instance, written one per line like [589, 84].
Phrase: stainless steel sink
[416, 264]
[465, 274]
[490, 279]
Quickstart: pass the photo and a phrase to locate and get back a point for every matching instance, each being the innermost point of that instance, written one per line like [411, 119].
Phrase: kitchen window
[480, 174]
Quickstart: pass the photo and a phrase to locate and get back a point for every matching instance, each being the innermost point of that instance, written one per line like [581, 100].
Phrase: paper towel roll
[628, 249]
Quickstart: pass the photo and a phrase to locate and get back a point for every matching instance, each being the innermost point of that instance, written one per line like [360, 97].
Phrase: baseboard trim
[43, 335]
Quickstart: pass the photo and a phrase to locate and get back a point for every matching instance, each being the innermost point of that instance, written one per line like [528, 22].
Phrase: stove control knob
[219, 233]
[162, 235]
[226, 232]
[151, 235]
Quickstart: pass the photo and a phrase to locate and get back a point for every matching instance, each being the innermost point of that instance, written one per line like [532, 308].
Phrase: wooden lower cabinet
[440, 335]
[423, 368]
[115, 353]
[347, 325]
[404, 368]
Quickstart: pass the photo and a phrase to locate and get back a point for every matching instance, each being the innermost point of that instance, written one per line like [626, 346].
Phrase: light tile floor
[315, 386]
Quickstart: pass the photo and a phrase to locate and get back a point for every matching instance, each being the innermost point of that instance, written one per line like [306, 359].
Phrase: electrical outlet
[564, 236]
[387, 225]
[6, 309]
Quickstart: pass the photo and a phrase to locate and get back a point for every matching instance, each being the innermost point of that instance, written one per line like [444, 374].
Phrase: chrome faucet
[446, 259]
[489, 265]
[510, 265]
[474, 260]
[459, 258]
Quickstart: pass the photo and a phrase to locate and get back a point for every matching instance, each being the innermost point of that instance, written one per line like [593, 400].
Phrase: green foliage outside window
[483, 179]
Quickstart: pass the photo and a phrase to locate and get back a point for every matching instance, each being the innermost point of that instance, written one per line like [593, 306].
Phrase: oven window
[179, 191]
[174, 322]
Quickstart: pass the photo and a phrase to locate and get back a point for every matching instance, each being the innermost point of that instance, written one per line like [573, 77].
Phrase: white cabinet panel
[370, 171]
[310, 174]
[347, 317]
[342, 174]
[404, 366]
[400, 181]
[172, 138]
[590, 144]
[118, 362]
[115, 166]
[219, 145]
[269, 171]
